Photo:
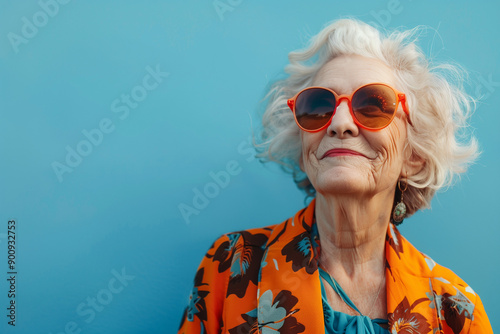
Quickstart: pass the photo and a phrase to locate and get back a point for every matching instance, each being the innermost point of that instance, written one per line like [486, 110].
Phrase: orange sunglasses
[372, 106]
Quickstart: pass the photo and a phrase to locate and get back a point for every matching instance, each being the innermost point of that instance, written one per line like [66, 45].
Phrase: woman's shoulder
[434, 288]
[256, 237]
[423, 265]
[265, 231]
[419, 264]
[245, 247]
[230, 267]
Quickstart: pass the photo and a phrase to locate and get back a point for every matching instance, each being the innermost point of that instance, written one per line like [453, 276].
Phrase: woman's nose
[342, 123]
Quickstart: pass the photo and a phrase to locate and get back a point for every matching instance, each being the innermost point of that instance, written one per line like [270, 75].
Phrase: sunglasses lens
[374, 106]
[314, 108]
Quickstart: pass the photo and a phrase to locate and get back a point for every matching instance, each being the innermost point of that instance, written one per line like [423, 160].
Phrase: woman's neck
[352, 233]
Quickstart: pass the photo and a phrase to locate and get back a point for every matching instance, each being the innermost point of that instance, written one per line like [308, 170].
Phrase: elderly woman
[369, 129]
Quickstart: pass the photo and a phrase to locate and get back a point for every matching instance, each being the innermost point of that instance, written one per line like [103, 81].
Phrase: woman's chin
[342, 184]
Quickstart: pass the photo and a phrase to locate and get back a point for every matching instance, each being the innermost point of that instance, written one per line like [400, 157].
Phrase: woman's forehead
[345, 73]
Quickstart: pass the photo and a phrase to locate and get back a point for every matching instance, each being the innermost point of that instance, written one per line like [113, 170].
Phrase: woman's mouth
[338, 152]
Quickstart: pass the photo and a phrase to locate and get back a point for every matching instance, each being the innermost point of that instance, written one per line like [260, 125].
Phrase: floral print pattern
[225, 251]
[238, 254]
[300, 252]
[250, 325]
[273, 316]
[196, 306]
[266, 281]
[455, 309]
[404, 321]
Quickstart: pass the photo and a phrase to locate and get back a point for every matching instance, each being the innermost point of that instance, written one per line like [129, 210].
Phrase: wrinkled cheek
[310, 165]
[394, 149]
[391, 150]
[308, 162]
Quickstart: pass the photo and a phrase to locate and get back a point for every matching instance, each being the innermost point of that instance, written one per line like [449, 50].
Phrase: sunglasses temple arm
[404, 104]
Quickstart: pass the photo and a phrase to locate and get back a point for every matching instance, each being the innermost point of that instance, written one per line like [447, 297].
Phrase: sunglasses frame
[400, 97]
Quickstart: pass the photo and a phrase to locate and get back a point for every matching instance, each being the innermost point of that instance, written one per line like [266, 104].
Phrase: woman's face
[344, 158]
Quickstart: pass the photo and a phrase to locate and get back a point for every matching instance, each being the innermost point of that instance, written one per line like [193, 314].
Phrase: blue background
[118, 209]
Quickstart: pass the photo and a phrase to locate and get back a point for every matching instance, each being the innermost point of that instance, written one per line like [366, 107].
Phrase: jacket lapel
[409, 286]
[289, 294]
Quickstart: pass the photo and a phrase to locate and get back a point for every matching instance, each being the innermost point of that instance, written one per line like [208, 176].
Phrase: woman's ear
[413, 165]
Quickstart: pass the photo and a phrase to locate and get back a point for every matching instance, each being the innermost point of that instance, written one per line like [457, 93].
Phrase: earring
[399, 213]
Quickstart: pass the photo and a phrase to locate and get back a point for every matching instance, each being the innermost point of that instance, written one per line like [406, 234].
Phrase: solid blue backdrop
[116, 115]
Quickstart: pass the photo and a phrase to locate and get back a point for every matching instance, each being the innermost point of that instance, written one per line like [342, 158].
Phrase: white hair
[439, 106]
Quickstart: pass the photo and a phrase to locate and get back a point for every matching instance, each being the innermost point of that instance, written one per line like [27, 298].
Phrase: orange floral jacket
[267, 278]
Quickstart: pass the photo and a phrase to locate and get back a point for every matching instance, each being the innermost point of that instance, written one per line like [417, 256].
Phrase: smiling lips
[338, 152]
